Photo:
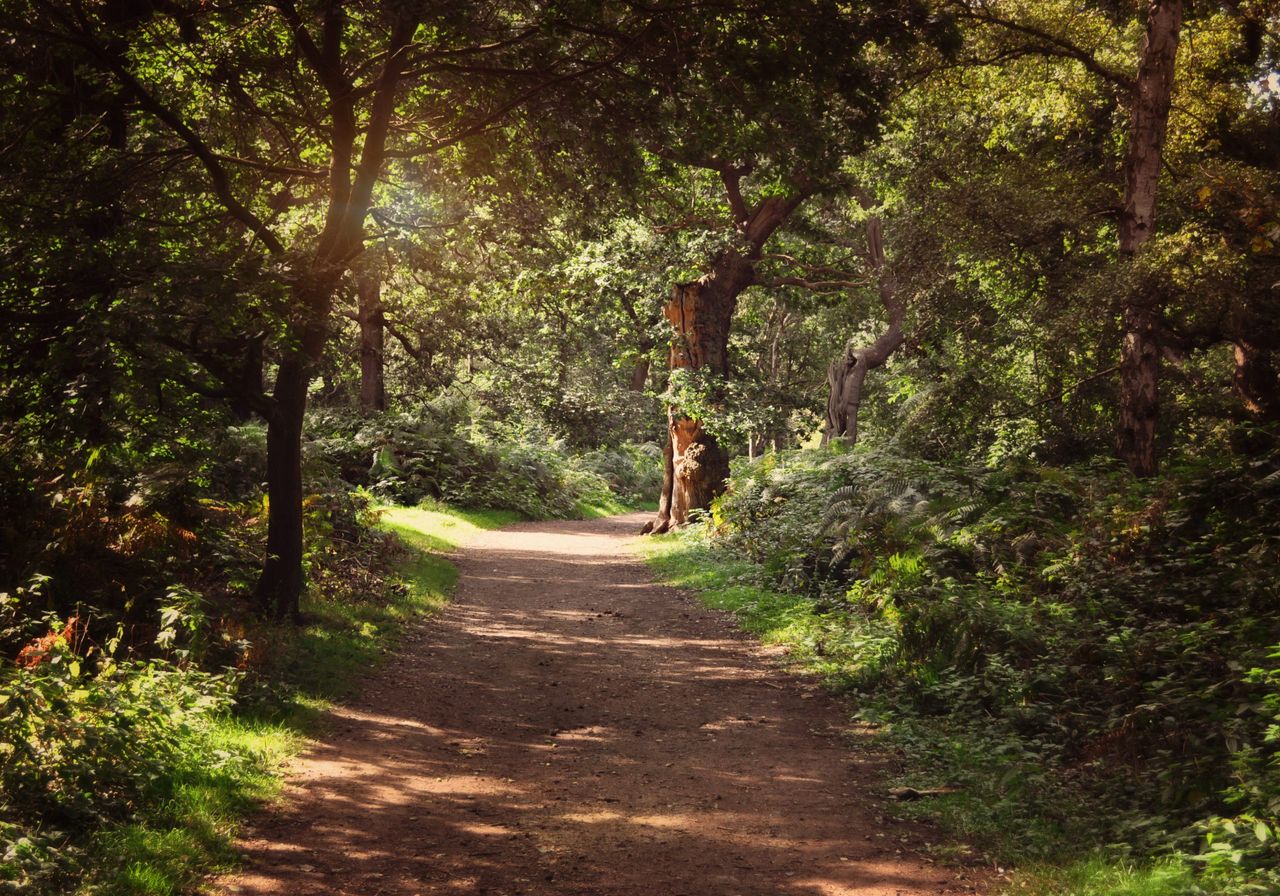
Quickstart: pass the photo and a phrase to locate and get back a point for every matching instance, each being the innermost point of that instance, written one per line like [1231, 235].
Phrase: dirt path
[567, 727]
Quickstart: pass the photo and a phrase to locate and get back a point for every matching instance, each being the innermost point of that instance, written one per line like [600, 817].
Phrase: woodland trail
[567, 727]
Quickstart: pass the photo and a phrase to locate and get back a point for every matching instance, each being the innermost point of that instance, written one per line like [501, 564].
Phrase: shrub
[1121, 632]
[81, 747]
[434, 452]
[633, 472]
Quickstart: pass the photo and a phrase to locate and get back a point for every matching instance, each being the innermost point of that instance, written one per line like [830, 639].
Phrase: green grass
[1006, 807]
[192, 832]
[1097, 876]
[611, 506]
[433, 526]
[817, 643]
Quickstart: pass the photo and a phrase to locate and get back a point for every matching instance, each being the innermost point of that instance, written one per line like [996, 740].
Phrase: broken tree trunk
[700, 313]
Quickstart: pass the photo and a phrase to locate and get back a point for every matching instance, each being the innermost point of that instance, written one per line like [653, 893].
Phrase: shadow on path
[568, 727]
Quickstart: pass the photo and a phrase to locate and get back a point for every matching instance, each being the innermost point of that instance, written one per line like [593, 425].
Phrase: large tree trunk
[700, 313]
[1140, 349]
[847, 375]
[373, 384]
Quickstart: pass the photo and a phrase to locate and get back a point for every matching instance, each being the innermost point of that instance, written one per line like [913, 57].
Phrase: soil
[565, 727]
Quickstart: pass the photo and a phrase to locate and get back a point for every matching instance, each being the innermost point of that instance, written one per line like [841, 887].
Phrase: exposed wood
[700, 314]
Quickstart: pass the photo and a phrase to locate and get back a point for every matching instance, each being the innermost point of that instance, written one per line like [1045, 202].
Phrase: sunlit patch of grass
[191, 833]
[588, 509]
[1098, 876]
[817, 643]
[433, 526]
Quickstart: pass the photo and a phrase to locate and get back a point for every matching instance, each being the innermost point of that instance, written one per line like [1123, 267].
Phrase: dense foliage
[1120, 638]
[440, 453]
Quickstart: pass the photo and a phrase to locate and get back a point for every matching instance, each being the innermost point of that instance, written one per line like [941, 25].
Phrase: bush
[1122, 633]
[80, 748]
[632, 472]
[435, 453]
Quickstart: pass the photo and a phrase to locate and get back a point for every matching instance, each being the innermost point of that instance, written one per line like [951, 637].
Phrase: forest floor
[566, 726]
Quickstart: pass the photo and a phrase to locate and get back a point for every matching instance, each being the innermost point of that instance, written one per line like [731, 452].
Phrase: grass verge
[191, 833]
[1002, 808]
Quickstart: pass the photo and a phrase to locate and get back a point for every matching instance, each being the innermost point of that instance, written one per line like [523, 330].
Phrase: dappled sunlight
[564, 730]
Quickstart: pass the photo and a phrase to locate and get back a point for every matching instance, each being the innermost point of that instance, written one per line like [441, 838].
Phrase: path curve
[567, 727]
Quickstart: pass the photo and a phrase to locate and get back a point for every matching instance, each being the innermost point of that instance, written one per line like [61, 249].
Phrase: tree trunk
[373, 388]
[848, 374]
[700, 313]
[845, 378]
[280, 585]
[1140, 349]
[640, 375]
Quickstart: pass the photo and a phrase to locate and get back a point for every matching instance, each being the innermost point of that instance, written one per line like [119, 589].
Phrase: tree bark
[1257, 381]
[1142, 312]
[640, 375]
[847, 375]
[369, 314]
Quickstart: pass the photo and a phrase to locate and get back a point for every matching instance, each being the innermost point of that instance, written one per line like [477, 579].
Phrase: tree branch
[1050, 44]
[486, 122]
[815, 285]
[218, 177]
[417, 352]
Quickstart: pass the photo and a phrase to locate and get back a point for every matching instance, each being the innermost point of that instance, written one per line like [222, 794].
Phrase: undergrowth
[126, 776]
[144, 702]
[438, 452]
[1084, 666]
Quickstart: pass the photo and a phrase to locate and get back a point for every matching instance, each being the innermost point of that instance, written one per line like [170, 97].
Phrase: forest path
[565, 726]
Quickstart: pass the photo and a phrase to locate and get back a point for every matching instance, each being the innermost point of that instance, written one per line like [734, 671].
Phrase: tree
[1152, 95]
[700, 314]
[293, 114]
[847, 375]
[1218, 81]
[784, 97]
